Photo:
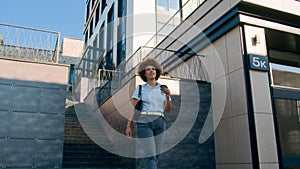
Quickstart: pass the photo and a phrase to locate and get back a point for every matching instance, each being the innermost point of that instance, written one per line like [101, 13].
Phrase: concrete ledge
[34, 71]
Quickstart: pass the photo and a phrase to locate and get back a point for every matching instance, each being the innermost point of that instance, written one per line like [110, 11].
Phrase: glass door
[287, 108]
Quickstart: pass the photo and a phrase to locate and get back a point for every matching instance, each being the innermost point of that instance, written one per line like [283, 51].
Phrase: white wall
[72, 47]
[289, 6]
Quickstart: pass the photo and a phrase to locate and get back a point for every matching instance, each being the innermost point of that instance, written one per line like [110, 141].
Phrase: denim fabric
[152, 145]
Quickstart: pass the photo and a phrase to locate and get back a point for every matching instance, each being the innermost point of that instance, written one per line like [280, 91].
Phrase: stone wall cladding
[31, 124]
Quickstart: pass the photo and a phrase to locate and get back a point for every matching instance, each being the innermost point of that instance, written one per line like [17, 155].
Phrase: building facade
[246, 50]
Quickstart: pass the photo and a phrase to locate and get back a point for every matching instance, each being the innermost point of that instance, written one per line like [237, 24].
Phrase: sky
[64, 16]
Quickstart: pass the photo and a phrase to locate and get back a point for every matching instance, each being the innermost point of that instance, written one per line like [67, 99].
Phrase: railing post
[56, 53]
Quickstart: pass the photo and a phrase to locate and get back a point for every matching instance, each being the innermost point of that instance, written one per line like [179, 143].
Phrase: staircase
[90, 156]
[81, 152]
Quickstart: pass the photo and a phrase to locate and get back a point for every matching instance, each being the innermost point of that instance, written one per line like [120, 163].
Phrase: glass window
[121, 36]
[109, 65]
[285, 75]
[110, 33]
[103, 5]
[121, 51]
[168, 5]
[101, 37]
[87, 12]
[284, 55]
[95, 53]
[71, 74]
[97, 14]
[163, 4]
[122, 8]
[284, 48]
[174, 5]
[93, 2]
[165, 11]
[91, 27]
[110, 28]
[160, 25]
[288, 118]
[86, 37]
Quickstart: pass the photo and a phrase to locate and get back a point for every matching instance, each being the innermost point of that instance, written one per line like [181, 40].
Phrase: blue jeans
[152, 145]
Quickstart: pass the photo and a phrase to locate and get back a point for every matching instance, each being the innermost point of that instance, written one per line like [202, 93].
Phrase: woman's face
[150, 72]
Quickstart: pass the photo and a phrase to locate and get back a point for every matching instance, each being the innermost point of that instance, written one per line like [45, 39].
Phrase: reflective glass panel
[285, 75]
[288, 118]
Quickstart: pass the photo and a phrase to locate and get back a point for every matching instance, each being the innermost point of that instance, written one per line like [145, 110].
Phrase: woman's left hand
[166, 91]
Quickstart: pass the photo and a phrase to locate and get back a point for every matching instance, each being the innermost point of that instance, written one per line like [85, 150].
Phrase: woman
[151, 121]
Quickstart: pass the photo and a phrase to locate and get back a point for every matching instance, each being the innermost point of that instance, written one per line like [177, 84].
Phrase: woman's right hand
[128, 132]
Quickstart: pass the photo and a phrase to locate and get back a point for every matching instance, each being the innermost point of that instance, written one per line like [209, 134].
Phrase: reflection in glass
[165, 10]
[288, 118]
[162, 4]
[285, 75]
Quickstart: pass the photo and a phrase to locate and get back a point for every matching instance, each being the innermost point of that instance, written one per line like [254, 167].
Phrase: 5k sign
[258, 62]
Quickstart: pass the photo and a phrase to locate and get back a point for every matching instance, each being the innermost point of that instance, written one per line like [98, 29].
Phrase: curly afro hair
[149, 62]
